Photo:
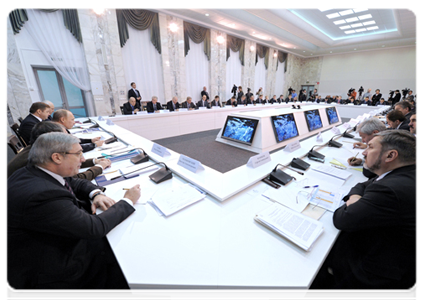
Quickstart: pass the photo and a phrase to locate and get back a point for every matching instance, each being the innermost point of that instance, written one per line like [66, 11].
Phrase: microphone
[140, 158]
[158, 176]
[280, 176]
[314, 155]
[87, 121]
[299, 164]
[347, 135]
[333, 143]
[95, 125]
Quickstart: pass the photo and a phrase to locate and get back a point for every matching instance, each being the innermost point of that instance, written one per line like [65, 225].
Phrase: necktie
[68, 187]
[154, 105]
[174, 106]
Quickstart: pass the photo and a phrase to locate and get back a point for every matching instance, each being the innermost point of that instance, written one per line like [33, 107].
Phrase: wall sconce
[173, 27]
[252, 48]
[99, 11]
[220, 39]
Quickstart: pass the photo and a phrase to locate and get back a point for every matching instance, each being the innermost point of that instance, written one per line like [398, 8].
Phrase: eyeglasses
[79, 154]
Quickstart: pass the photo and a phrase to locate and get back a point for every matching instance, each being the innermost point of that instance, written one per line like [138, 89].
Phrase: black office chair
[164, 106]
[20, 120]
[15, 144]
[121, 109]
[15, 128]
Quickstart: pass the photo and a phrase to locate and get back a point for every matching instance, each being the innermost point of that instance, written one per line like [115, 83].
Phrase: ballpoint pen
[353, 159]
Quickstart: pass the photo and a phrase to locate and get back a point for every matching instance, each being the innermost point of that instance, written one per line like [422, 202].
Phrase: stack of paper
[331, 171]
[299, 229]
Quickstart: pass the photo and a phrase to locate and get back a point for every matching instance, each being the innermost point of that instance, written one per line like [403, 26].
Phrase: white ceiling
[308, 32]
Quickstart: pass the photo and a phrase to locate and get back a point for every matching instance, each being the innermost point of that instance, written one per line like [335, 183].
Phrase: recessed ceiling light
[360, 30]
[295, 47]
[345, 27]
[373, 28]
[311, 53]
[364, 17]
[351, 19]
[325, 9]
[334, 15]
[339, 22]
[349, 31]
[356, 25]
[207, 15]
[357, 10]
[369, 23]
[346, 12]
[303, 51]
[355, 48]
[383, 46]
[330, 52]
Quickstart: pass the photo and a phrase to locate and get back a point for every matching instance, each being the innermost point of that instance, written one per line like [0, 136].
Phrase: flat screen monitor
[332, 115]
[284, 127]
[313, 119]
[239, 129]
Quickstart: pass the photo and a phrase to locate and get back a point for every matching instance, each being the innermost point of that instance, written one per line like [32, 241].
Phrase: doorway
[308, 88]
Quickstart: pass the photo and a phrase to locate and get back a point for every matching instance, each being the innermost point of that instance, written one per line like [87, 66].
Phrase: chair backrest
[15, 144]
[15, 128]
[121, 109]
[20, 120]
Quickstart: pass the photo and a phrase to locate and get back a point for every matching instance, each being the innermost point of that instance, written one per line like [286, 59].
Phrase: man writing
[173, 105]
[131, 107]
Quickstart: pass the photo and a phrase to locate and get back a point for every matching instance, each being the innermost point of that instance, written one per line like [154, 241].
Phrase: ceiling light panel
[351, 19]
[360, 30]
[357, 10]
[369, 23]
[345, 27]
[346, 12]
[356, 25]
[334, 15]
[364, 17]
[349, 31]
[339, 22]
[372, 28]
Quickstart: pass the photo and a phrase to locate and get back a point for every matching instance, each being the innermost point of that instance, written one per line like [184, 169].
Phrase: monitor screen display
[239, 129]
[313, 119]
[284, 127]
[332, 115]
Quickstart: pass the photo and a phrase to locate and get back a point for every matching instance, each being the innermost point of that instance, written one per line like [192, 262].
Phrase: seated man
[250, 100]
[131, 107]
[273, 100]
[173, 105]
[232, 102]
[153, 106]
[396, 120]
[53, 241]
[260, 100]
[405, 108]
[67, 119]
[51, 107]
[318, 99]
[189, 104]
[413, 124]
[203, 102]
[376, 248]
[366, 101]
[216, 101]
[242, 101]
[21, 159]
[280, 99]
[38, 112]
[381, 102]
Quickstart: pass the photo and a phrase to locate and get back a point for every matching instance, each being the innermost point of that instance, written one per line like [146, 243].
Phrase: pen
[125, 189]
[353, 159]
[309, 186]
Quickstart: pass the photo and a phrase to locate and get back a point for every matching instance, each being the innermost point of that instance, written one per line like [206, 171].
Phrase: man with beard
[377, 246]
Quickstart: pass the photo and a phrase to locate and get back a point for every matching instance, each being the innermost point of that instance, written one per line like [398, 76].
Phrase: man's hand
[359, 145]
[99, 143]
[134, 193]
[352, 161]
[136, 110]
[93, 140]
[104, 162]
[352, 199]
[103, 202]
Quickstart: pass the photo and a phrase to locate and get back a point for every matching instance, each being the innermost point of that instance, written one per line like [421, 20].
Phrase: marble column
[104, 59]
[218, 66]
[173, 59]
[271, 74]
[18, 98]
[248, 70]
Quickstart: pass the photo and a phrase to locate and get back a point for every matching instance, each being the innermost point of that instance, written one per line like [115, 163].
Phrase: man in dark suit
[381, 102]
[38, 112]
[205, 93]
[366, 101]
[173, 105]
[410, 95]
[376, 97]
[96, 166]
[203, 102]
[54, 242]
[232, 102]
[153, 106]
[397, 120]
[242, 101]
[377, 245]
[67, 119]
[131, 107]
[405, 108]
[189, 104]
[250, 100]
[280, 99]
[273, 100]
[260, 100]
[289, 99]
[216, 101]
[51, 108]
[133, 92]
[397, 97]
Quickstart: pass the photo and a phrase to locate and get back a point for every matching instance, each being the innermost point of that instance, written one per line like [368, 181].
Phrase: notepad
[331, 171]
[303, 231]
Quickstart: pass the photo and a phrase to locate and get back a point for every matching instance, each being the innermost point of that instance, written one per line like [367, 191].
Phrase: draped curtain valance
[197, 34]
[139, 19]
[282, 57]
[70, 18]
[235, 44]
[263, 51]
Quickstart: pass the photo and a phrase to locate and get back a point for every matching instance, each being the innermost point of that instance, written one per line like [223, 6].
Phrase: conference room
[217, 135]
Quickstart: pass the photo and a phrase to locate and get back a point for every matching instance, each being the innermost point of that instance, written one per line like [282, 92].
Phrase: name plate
[109, 122]
[143, 112]
[335, 130]
[183, 109]
[214, 107]
[100, 118]
[345, 126]
[190, 164]
[360, 118]
[202, 108]
[319, 137]
[250, 104]
[292, 146]
[159, 150]
[259, 159]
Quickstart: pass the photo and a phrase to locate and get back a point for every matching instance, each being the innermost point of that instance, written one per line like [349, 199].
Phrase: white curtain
[280, 80]
[233, 74]
[260, 77]
[59, 46]
[143, 65]
[197, 70]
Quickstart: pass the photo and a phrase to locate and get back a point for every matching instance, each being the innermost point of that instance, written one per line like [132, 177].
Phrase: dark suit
[303, 97]
[376, 248]
[132, 93]
[239, 96]
[86, 144]
[230, 103]
[21, 160]
[26, 127]
[215, 103]
[169, 105]
[128, 110]
[186, 105]
[260, 101]
[376, 98]
[384, 103]
[202, 103]
[290, 100]
[248, 101]
[150, 107]
[205, 93]
[52, 241]
[404, 125]
[396, 98]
